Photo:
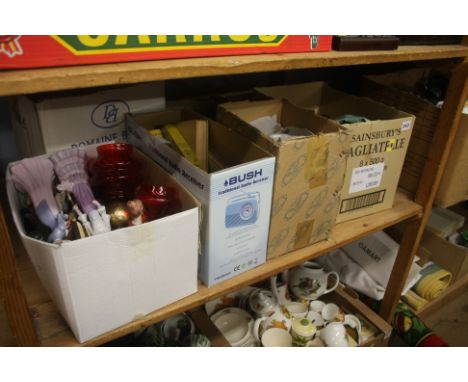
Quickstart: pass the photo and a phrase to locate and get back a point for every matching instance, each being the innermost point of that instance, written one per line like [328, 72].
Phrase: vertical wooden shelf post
[428, 185]
[12, 293]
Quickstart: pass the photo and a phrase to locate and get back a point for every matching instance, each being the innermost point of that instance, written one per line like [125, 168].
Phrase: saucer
[235, 324]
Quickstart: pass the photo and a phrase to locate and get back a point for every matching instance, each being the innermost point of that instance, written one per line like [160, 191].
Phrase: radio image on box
[242, 210]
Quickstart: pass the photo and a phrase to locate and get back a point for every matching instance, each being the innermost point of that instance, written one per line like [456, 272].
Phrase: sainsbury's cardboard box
[104, 281]
[309, 170]
[378, 146]
[236, 198]
[48, 123]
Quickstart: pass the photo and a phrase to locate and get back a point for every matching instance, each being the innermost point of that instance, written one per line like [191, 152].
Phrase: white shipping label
[366, 177]
[405, 125]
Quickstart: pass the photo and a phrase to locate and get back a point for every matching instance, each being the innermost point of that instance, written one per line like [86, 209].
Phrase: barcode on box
[362, 201]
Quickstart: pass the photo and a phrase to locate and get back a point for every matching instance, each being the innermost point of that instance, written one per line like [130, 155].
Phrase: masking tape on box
[176, 137]
[316, 168]
[303, 233]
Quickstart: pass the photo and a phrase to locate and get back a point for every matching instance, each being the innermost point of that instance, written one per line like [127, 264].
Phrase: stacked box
[396, 89]
[378, 145]
[309, 171]
[48, 123]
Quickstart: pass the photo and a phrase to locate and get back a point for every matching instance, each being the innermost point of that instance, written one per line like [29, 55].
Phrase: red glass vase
[159, 201]
[116, 173]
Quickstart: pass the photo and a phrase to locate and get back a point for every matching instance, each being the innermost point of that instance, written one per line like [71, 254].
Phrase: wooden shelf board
[29, 81]
[53, 331]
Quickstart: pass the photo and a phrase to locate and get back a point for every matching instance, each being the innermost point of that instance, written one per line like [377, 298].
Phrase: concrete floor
[451, 322]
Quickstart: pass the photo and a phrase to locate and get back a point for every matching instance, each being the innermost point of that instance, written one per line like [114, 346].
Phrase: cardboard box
[206, 327]
[378, 146]
[452, 257]
[231, 243]
[397, 90]
[102, 282]
[45, 124]
[444, 222]
[28, 51]
[309, 171]
[453, 187]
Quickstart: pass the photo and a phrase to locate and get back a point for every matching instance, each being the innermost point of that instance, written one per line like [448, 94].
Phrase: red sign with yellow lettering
[46, 51]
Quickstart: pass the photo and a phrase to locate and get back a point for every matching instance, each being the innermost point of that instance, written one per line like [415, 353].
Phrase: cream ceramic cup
[330, 312]
[316, 319]
[297, 309]
[316, 306]
[275, 337]
[353, 321]
[316, 342]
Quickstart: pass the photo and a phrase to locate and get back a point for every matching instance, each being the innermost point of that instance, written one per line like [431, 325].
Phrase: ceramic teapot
[309, 281]
[280, 319]
[280, 289]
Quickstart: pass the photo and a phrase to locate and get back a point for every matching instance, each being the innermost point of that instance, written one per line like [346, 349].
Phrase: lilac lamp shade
[69, 165]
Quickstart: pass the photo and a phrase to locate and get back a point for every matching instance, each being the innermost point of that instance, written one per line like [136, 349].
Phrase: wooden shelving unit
[19, 285]
[76, 77]
[54, 331]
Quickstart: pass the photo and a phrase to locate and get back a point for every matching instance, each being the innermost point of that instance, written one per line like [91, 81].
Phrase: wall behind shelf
[7, 140]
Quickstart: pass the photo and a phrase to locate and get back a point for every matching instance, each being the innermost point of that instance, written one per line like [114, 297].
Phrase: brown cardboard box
[309, 171]
[396, 89]
[449, 256]
[206, 327]
[454, 184]
[378, 146]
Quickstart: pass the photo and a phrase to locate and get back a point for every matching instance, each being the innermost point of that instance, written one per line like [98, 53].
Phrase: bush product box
[102, 282]
[378, 146]
[309, 170]
[236, 200]
[397, 90]
[18, 51]
[450, 256]
[45, 124]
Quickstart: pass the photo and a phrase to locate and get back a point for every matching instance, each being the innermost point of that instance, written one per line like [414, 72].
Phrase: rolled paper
[414, 300]
[434, 280]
